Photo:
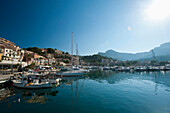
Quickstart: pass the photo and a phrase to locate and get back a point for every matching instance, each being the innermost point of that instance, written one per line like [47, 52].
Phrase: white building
[10, 53]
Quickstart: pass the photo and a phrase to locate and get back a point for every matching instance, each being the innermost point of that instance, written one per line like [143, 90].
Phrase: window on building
[6, 50]
[9, 54]
[13, 55]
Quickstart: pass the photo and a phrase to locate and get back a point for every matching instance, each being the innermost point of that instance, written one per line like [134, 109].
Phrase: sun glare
[159, 10]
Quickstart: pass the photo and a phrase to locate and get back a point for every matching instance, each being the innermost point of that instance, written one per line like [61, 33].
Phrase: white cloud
[129, 28]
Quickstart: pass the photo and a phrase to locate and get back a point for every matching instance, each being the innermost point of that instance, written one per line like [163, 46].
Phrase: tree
[50, 50]
[95, 59]
[32, 65]
[53, 64]
[66, 61]
[153, 62]
[162, 63]
[27, 56]
[58, 63]
[35, 50]
[3, 57]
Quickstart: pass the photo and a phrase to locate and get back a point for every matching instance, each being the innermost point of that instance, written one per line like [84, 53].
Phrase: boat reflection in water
[13, 95]
[5, 93]
[97, 92]
[37, 96]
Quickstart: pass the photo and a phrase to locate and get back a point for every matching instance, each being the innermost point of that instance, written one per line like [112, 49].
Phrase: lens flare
[159, 10]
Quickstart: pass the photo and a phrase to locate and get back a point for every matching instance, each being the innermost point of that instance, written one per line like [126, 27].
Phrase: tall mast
[72, 50]
[77, 55]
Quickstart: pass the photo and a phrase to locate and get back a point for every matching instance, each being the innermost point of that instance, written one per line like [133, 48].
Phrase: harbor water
[96, 92]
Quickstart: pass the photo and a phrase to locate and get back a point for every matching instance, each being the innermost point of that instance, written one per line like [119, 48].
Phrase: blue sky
[98, 25]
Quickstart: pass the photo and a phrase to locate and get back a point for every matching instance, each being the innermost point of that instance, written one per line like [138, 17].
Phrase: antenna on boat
[72, 50]
[77, 55]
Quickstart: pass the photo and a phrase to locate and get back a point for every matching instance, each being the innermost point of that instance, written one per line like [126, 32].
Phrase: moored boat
[31, 86]
[27, 83]
[70, 74]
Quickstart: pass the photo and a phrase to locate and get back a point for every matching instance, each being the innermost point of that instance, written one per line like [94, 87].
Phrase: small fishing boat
[31, 86]
[26, 83]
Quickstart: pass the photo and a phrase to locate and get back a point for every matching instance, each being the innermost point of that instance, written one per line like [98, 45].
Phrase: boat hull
[54, 81]
[27, 86]
[69, 74]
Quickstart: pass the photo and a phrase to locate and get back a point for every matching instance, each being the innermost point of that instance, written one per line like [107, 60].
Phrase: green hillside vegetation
[94, 59]
[35, 50]
[38, 50]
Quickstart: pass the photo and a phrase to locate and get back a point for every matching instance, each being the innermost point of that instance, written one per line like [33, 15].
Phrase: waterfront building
[52, 61]
[51, 56]
[31, 57]
[58, 52]
[7, 43]
[10, 54]
[1, 51]
[9, 51]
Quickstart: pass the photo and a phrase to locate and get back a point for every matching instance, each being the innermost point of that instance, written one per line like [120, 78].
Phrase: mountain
[162, 50]
[158, 58]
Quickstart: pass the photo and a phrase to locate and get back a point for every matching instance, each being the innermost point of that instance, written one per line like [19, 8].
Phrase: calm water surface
[98, 92]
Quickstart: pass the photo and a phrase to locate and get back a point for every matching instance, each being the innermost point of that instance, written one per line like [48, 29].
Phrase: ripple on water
[99, 92]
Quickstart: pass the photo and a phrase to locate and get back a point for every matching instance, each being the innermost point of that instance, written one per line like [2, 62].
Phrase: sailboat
[72, 72]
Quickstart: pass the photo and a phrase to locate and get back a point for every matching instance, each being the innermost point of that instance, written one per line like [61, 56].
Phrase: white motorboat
[70, 73]
[55, 81]
[83, 70]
